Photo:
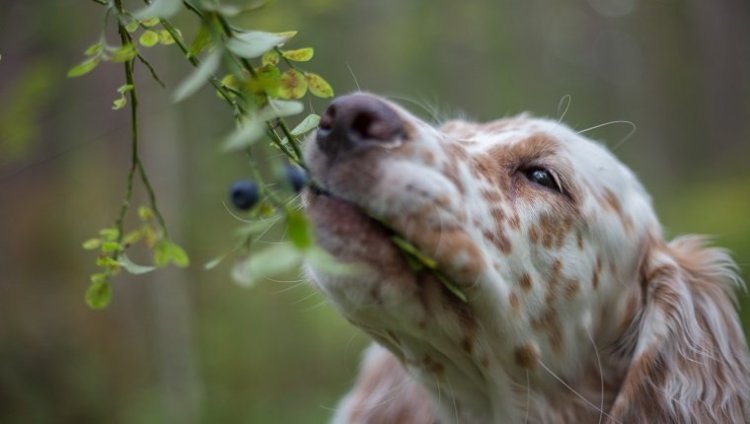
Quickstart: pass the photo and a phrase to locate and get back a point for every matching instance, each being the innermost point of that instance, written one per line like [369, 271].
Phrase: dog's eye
[542, 177]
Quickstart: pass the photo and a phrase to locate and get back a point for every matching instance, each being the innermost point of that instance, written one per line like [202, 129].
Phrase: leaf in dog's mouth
[419, 261]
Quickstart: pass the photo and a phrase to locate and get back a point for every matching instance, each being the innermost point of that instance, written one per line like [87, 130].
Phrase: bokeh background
[188, 346]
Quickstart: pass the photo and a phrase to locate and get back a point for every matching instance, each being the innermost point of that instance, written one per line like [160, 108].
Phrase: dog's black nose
[357, 120]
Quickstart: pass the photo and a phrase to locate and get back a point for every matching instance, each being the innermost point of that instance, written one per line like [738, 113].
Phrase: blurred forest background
[188, 346]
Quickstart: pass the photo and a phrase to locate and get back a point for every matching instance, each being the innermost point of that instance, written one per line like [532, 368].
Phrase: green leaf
[452, 287]
[94, 49]
[132, 25]
[267, 80]
[230, 81]
[108, 262]
[109, 234]
[293, 85]
[110, 246]
[308, 124]
[92, 243]
[119, 103]
[148, 38]
[200, 42]
[253, 44]
[125, 88]
[298, 230]
[150, 22]
[132, 237]
[325, 262]
[99, 277]
[412, 250]
[192, 83]
[213, 263]
[299, 55]
[122, 101]
[145, 213]
[166, 252]
[270, 57]
[164, 9]
[84, 67]
[269, 262]
[165, 38]
[99, 294]
[318, 86]
[132, 267]
[249, 131]
[123, 53]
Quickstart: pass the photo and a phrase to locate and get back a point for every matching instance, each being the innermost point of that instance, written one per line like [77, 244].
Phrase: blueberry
[296, 176]
[244, 194]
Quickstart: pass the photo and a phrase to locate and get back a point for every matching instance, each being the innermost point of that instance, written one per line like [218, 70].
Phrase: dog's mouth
[353, 234]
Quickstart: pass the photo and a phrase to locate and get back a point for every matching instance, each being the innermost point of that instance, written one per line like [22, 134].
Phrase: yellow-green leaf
[166, 38]
[150, 22]
[132, 25]
[148, 38]
[166, 252]
[145, 213]
[298, 229]
[270, 57]
[123, 53]
[92, 244]
[293, 85]
[93, 49]
[132, 237]
[110, 246]
[299, 55]
[119, 103]
[99, 294]
[200, 42]
[318, 86]
[84, 67]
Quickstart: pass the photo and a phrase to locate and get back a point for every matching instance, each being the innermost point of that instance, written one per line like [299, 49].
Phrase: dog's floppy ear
[689, 363]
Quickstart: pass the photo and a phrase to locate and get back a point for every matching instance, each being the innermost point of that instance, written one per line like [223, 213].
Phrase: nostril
[328, 118]
[363, 125]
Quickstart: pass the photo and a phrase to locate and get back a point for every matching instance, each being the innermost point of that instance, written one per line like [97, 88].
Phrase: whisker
[453, 399]
[574, 391]
[290, 288]
[528, 397]
[633, 129]
[354, 77]
[432, 111]
[601, 375]
[566, 99]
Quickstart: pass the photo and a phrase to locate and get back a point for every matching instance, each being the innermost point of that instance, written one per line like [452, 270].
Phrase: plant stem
[135, 160]
[239, 110]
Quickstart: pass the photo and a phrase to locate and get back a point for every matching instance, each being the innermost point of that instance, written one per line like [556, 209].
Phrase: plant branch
[135, 160]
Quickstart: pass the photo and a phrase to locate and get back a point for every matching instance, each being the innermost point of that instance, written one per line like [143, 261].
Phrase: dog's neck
[482, 383]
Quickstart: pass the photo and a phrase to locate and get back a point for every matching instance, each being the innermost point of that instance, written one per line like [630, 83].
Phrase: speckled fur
[577, 309]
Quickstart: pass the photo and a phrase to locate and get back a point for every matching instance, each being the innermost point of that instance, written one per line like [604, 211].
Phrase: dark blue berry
[244, 194]
[296, 176]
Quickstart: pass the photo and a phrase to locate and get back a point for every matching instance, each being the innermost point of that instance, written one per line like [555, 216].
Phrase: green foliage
[261, 96]
[262, 83]
[99, 293]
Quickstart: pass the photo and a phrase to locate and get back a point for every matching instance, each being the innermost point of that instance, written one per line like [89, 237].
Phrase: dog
[574, 310]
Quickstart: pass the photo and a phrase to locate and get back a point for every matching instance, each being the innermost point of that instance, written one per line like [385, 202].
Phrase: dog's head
[552, 240]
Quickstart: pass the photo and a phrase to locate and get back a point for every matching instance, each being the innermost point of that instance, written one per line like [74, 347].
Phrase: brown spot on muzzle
[527, 356]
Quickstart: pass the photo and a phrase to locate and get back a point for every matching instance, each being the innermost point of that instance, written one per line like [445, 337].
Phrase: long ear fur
[690, 360]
